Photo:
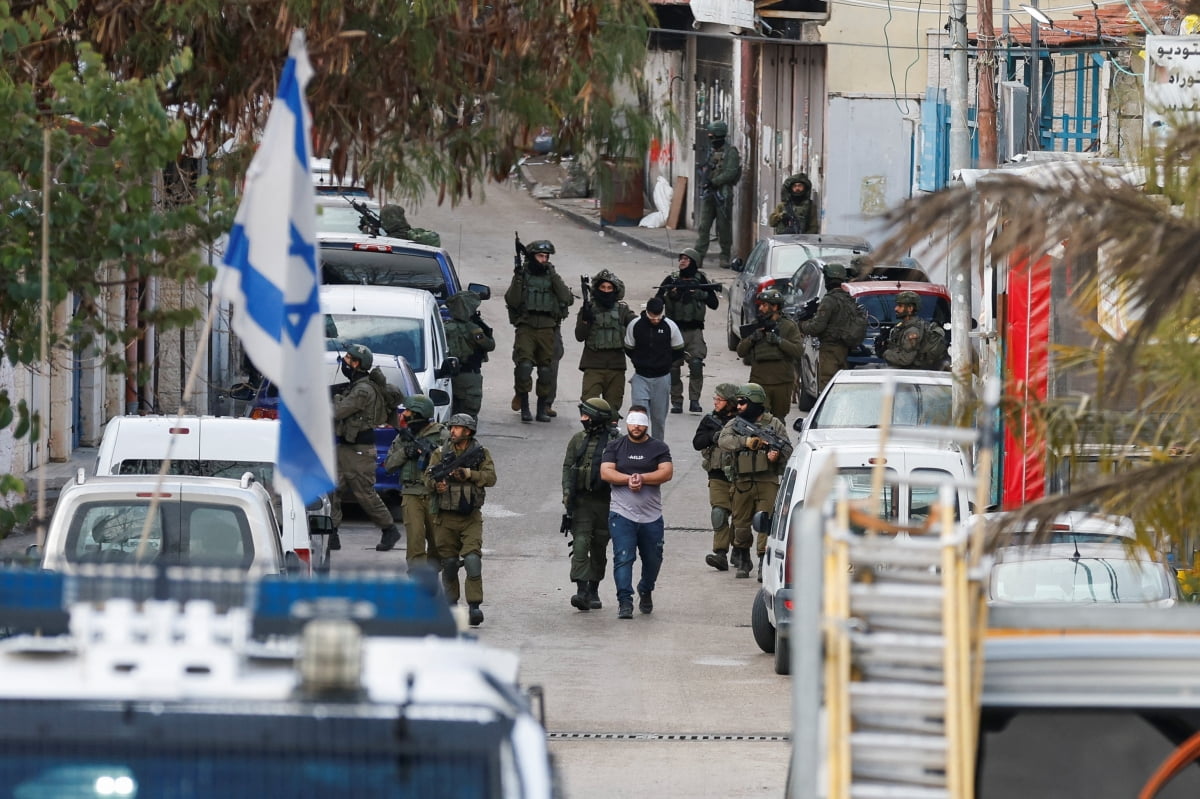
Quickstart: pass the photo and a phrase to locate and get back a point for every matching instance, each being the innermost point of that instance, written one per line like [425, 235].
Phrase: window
[861, 404]
[181, 533]
[923, 498]
[419, 270]
[383, 335]
[859, 480]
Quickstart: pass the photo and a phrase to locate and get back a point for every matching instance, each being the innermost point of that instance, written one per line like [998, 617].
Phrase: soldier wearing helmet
[836, 313]
[771, 352]
[715, 461]
[357, 410]
[688, 294]
[417, 436]
[586, 501]
[914, 343]
[796, 211]
[754, 470]
[469, 339]
[456, 502]
[537, 300]
[719, 173]
[600, 325]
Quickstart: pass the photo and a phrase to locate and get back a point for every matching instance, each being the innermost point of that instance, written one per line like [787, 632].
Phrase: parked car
[771, 264]
[909, 495]
[854, 400]
[199, 521]
[218, 446]
[1081, 572]
[362, 260]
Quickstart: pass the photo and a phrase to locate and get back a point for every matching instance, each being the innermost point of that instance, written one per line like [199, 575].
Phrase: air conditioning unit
[1014, 119]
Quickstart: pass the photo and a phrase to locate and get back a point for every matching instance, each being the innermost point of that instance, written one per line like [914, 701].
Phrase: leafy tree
[434, 93]
[1137, 240]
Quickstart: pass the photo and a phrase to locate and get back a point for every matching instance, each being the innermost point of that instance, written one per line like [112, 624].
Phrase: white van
[392, 321]
[217, 446]
[912, 471]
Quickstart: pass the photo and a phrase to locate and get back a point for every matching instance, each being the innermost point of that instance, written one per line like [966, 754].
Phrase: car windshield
[1083, 580]
[383, 335]
[861, 405]
[339, 219]
[186, 533]
[263, 472]
[403, 268]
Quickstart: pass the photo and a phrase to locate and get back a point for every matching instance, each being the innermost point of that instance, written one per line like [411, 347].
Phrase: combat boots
[694, 407]
[333, 541]
[593, 587]
[542, 405]
[760, 560]
[718, 561]
[522, 403]
[388, 540]
[582, 598]
[743, 563]
[474, 614]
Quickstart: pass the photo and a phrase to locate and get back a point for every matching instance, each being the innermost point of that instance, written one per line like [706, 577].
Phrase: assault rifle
[520, 255]
[748, 330]
[685, 285]
[368, 221]
[807, 310]
[744, 427]
[424, 447]
[470, 458]
[585, 287]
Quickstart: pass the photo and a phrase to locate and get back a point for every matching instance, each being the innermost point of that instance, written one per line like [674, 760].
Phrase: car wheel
[783, 654]
[760, 623]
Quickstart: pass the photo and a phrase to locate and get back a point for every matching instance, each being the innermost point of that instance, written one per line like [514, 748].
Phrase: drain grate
[670, 736]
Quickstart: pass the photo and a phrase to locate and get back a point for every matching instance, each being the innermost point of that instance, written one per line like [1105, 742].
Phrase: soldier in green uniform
[410, 456]
[754, 470]
[796, 211]
[537, 301]
[714, 460]
[719, 173]
[686, 304]
[469, 339]
[914, 343]
[772, 351]
[835, 316]
[585, 500]
[457, 520]
[357, 411]
[600, 325]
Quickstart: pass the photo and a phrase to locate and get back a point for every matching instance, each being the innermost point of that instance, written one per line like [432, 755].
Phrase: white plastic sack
[663, 194]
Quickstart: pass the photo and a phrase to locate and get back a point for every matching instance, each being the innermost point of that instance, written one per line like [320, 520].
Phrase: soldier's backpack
[851, 328]
[389, 396]
[933, 349]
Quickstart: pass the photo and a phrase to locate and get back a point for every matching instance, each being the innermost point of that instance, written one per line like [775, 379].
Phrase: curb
[609, 230]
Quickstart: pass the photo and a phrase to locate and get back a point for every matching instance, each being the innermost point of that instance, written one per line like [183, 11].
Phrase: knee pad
[473, 564]
[450, 569]
[720, 518]
[525, 368]
[696, 367]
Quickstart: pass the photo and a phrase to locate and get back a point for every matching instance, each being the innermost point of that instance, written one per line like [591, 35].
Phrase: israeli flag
[269, 276]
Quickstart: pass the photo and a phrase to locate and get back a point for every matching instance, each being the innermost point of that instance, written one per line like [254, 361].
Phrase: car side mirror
[440, 398]
[243, 392]
[484, 292]
[33, 553]
[798, 423]
[737, 264]
[760, 522]
[320, 525]
[449, 368]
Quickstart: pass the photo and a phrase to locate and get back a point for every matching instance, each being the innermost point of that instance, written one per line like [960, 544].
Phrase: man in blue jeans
[636, 465]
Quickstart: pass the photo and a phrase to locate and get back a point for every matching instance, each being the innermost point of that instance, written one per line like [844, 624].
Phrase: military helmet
[606, 276]
[463, 420]
[597, 409]
[541, 245]
[754, 393]
[908, 298]
[692, 253]
[420, 405]
[363, 354]
[834, 271]
[726, 391]
[771, 296]
[717, 129]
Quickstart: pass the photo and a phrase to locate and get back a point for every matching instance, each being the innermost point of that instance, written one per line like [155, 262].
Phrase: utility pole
[960, 256]
[986, 61]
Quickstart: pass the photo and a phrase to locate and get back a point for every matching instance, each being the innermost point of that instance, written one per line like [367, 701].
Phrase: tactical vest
[414, 468]
[691, 309]
[357, 425]
[607, 332]
[460, 497]
[586, 467]
[540, 297]
[766, 351]
[460, 339]
[847, 325]
[713, 458]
